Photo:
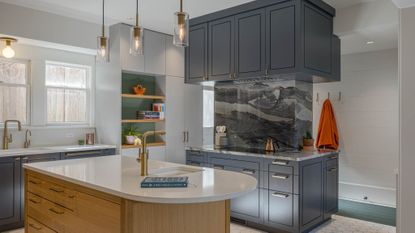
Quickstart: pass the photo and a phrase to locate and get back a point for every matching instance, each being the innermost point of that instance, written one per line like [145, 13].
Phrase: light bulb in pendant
[8, 51]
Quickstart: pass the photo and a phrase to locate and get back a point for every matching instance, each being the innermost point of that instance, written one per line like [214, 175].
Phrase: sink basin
[174, 171]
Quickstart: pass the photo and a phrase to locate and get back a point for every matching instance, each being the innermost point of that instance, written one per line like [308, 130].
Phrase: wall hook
[340, 96]
[328, 95]
[318, 97]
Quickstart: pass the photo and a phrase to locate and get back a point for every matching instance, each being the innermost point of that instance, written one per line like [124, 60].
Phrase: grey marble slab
[288, 155]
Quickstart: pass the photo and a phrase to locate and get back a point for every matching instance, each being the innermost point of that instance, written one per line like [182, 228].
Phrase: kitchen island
[104, 195]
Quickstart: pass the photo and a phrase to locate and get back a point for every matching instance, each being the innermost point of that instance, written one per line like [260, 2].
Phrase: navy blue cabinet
[196, 58]
[292, 196]
[9, 192]
[221, 49]
[265, 39]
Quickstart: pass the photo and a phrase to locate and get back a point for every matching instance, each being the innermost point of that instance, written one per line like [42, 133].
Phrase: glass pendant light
[8, 51]
[181, 28]
[103, 42]
[136, 37]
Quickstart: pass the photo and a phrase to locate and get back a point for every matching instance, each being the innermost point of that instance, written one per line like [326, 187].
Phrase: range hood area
[263, 40]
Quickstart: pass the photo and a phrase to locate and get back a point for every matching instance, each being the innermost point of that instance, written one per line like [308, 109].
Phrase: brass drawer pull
[56, 190]
[248, 171]
[280, 195]
[281, 177]
[34, 201]
[36, 227]
[34, 182]
[279, 162]
[56, 211]
[333, 169]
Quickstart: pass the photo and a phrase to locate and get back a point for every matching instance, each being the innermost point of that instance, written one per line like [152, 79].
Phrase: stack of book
[148, 115]
[165, 182]
[159, 107]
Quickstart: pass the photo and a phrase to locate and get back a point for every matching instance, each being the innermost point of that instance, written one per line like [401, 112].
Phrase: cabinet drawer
[34, 226]
[332, 161]
[281, 209]
[82, 154]
[281, 182]
[247, 206]
[52, 192]
[280, 167]
[247, 171]
[234, 163]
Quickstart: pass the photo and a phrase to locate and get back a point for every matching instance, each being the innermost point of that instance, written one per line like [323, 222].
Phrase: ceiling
[404, 3]
[158, 15]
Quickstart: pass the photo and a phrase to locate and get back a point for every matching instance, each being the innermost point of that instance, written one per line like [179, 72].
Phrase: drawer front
[281, 182]
[281, 210]
[34, 226]
[235, 163]
[332, 162]
[247, 171]
[52, 192]
[279, 167]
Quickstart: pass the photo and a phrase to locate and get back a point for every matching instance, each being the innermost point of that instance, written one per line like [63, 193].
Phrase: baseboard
[367, 212]
[368, 194]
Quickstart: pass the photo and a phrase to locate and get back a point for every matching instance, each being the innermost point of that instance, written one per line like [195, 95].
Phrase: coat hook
[340, 96]
[318, 97]
[328, 95]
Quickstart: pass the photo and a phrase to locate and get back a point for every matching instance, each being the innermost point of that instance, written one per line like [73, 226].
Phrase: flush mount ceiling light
[8, 52]
[102, 48]
[370, 42]
[136, 36]
[181, 28]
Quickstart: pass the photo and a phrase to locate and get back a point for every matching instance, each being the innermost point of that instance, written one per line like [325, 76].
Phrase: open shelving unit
[131, 103]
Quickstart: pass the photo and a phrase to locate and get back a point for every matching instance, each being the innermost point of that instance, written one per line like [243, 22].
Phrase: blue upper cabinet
[265, 39]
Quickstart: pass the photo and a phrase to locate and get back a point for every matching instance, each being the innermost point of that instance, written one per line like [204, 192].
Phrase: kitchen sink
[174, 171]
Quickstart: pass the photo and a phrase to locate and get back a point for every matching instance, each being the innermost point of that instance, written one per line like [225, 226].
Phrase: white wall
[43, 134]
[406, 200]
[367, 118]
[39, 25]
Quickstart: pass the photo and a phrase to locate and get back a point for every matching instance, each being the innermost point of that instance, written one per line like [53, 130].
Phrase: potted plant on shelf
[308, 142]
[132, 136]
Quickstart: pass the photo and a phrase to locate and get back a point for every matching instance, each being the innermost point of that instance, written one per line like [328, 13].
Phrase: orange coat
[328, 136]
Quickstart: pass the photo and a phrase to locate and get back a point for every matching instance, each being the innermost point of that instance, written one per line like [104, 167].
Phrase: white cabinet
[184, 118]
[154, 53]
[174, 59]
[128, 61]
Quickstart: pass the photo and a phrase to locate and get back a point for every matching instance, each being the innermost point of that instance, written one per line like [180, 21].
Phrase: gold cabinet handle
[34, 182]
[35, 227]
[56, 190]
[280, 195]
[53, 210]
[281, 177]
[34, 201]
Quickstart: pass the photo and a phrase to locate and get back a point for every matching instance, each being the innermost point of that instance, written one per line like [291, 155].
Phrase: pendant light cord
[181, 5]
[103, 18]
[136, 15]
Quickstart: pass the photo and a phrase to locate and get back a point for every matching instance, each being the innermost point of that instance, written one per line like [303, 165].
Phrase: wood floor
[338, 224]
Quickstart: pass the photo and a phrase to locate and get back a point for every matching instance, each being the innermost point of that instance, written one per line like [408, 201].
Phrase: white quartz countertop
[120, 176]
[52, 149]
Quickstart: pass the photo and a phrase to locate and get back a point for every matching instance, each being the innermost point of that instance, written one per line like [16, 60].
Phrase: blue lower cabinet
[248, 207]
[195, 163]
[281, 210]
[10, 174]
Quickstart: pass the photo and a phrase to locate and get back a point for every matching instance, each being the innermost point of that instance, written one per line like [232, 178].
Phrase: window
[14, 89]
[68, 90]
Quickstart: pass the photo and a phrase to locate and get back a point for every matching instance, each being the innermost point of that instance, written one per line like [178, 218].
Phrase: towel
[328, 136]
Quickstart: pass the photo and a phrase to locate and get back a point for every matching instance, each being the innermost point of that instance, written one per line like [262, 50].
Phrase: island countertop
[120, 176]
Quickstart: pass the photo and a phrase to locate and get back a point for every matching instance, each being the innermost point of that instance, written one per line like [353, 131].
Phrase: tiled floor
[337, 225]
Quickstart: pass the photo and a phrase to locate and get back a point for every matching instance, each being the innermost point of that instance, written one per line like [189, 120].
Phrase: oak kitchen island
[104, 195]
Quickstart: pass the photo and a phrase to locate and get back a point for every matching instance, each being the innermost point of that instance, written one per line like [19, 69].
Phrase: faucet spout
[6, 138]
[144, 153]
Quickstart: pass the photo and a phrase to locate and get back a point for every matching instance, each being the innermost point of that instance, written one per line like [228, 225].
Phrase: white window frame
[88, 89]
[28, 89]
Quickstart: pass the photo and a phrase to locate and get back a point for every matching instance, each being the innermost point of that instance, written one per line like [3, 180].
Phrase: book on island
[165, 182]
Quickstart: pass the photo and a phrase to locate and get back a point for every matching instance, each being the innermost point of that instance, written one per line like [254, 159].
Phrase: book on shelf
[165, 182]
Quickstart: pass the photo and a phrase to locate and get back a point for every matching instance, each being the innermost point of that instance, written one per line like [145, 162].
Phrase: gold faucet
[143, 152]
[8, 139]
